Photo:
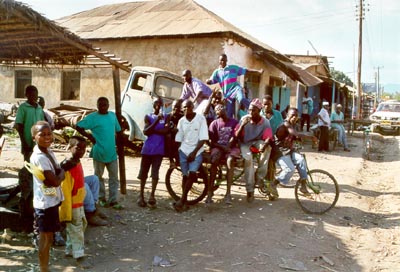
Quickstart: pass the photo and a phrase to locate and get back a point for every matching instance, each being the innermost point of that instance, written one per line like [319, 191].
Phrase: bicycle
[323, 187]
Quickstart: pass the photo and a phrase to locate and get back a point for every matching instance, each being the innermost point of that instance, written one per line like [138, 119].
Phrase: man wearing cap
[337, 119]
[324, 123]
[194, 89]
[254, 133]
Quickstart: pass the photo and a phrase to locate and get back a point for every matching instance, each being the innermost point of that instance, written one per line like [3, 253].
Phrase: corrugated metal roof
[170, 18]
[151, 18]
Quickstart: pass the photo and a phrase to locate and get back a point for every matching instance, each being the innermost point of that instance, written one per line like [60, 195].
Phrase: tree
[341, 77]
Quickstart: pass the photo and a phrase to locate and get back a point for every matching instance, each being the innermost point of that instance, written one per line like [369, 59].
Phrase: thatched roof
[26, 37]
[166, 19]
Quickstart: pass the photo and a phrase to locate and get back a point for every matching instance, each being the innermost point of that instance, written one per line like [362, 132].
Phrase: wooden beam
[120, 139]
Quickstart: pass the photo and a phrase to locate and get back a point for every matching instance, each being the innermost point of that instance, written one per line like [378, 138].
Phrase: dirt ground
[360, 234]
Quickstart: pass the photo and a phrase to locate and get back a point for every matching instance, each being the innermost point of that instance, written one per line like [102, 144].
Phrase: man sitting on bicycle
[284, 153]
[221, 132]
[254, 131]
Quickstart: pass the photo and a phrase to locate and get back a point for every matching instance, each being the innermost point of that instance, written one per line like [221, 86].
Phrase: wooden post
[120, 141]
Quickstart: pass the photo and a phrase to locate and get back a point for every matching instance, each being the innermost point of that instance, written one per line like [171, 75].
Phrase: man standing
[337, 119]
[192, 135]
[324, 123]
[28, 114]
[194, 89]
[254, 132]
[308, 108]
[103, 125]
[226, 77]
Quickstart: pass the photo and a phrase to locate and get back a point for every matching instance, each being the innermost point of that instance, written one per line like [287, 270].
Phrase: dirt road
[360, 234]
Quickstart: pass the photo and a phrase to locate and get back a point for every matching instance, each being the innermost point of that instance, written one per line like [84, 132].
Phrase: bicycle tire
[322, 200]
[173, 182]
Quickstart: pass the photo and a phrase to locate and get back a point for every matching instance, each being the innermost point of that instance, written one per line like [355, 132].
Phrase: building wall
[200, 55]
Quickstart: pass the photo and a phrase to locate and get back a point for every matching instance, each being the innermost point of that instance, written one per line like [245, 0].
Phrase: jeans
[235, 94]
[288, 163]
[75, 244]
[249, 175]
[92, 187]
[113, 183]
[192, 166]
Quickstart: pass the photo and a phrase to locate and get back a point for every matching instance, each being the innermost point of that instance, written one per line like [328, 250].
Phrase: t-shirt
[103, 128]
[325, 116]
[335, 116]
[275, 121]
[221, 131]
[40, 200]
[308, 107]
[256, 131]
[191, 90]
[155, 143]
[191, 132]
[28, 115]
[227, 79]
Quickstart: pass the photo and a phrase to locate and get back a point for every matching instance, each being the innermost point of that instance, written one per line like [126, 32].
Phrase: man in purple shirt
[194, 89]
[223, 144]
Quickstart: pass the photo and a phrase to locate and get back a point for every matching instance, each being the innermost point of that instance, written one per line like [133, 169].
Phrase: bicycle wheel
[173, 182]
[323, 189]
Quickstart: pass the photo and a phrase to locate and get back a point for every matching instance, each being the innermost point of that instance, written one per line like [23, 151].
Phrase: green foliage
[341, 77]
[391, 96]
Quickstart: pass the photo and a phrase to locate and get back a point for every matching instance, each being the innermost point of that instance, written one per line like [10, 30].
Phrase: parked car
[143, 85]
[387, 116]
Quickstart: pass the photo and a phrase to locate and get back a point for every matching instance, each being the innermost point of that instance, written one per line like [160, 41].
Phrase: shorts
[192, 166]
[217, 154]
[47, 220]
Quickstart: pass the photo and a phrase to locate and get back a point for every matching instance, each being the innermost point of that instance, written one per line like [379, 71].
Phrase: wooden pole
[120, 141]
[359, 91]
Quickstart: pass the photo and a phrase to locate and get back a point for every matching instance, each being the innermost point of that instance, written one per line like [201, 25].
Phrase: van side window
[166, 87]
[140, 82]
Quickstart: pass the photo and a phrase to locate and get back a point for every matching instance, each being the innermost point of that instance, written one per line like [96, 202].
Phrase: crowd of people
[62, 193]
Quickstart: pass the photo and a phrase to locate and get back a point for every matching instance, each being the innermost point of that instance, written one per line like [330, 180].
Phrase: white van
[387, 116]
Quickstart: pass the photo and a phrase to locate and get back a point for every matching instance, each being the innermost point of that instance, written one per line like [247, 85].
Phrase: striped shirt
[227, 79]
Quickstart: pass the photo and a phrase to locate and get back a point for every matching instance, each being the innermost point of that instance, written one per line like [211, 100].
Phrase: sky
[315, 27]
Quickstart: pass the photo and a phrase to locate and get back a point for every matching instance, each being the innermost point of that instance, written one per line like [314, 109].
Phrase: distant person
[47, 116]
[104, 126]
[28, 114]
[324, 123]
[155, 128]
[47, 193]
[285, 111]
[192, 135]
[277, 107]
[194, 89]
[171, 147]
[254, 132]
[308, 107]
[226, 76]
[337, 120]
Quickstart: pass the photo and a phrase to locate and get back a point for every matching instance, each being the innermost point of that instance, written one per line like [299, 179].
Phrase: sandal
[115, 206]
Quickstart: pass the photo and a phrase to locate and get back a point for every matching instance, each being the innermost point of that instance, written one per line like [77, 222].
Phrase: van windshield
[389, 107]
